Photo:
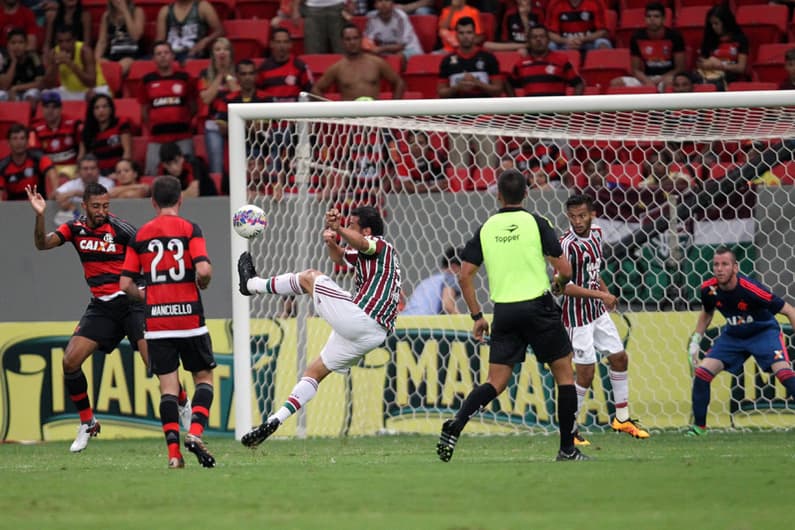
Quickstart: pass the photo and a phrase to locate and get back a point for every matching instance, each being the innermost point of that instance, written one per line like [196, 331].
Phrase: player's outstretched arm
[789, 312]
[354, 238]
[40, 239]
[335, 252]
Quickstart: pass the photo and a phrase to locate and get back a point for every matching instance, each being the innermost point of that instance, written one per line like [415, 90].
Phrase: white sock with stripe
[302, 393]
[620, 384]
[581, 391]
[284, 284]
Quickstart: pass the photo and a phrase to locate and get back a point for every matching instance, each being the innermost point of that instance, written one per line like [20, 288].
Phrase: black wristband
[477, 316]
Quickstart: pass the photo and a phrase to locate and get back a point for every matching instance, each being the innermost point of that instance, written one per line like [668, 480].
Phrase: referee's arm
[466, 282]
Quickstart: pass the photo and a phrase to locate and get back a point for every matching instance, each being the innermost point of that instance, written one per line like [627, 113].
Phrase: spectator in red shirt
[577, 25]
[789, 66]
[543, 72]
[168, 103]
[13, 15]
[57, 136]
[24, 167]
[723, 57]
[657, 52]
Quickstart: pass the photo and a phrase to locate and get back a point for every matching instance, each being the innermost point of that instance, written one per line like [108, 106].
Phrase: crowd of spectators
[169, 81]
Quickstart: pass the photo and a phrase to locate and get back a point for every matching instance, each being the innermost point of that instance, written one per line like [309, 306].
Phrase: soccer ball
[249, 221]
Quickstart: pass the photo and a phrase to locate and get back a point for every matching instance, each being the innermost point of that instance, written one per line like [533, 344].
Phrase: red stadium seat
[70, 108]
[628, 174]
[769, 64]
[762, 24]
[11, 113]
[422, 73]
[684, 4]
[633, 20]
[259, 9]
[139, 144]
[224, 8]
[743, 86]
[249, 37]
[195, 66]
[706, 87]
[640, 4]
[130, 108]
[785, 172]
[426, 27]
[112, 72]
[488, 25]
[5, 149]
[507, 61]
[360, 21]
[138, 69]
[690, 22]
[631, 90]
[601, 66]
[151, 8]
[318, 63]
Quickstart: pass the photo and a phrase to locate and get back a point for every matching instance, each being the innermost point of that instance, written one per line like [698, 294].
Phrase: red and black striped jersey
[585, 256]
[219, 108]
[569, 21]
[101, 250]
[377, 281]
[166, 250]
[657, 54]
[548, 75]
[31, 172]
[168, 99]
[59, 144]
[107, 146]
[284, 81]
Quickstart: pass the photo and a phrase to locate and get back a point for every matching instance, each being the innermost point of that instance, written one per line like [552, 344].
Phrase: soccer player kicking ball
[586, 303]
[751, 329]
[359, 322]
[100, 239]
[171, 253]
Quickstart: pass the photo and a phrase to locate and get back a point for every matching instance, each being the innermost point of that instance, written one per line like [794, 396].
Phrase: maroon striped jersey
[166, 250]
[569, 21]
[59, 144]
[107, 146]
[282, 82]
[168, 99]
[377, 281]
[585, 256]
[548, 75]
[101, 250]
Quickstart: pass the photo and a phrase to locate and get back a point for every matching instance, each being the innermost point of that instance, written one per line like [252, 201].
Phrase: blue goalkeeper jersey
[749, 308]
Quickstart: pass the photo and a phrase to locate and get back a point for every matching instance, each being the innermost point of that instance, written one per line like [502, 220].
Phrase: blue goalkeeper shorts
[767, 347]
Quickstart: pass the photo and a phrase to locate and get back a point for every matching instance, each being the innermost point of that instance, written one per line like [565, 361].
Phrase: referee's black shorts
[536, 323]
[107, 322]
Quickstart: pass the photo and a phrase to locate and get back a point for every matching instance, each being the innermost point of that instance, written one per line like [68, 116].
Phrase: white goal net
[673, 176]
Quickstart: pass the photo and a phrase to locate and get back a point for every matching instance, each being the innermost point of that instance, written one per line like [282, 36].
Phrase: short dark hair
[452, 256]
[723, 249]
[465, 21]
[93, 189]
[369, 218]
[161, 42]
[88, 157]
[16, 128]
[348, 25]
[245, 62]
[789, 55]
[65, 28]
[169, 151]
[13, 32]
[274, 31]
[166, 191]
[655, 6]
[690, 77]
[512, 185]
[578, 200]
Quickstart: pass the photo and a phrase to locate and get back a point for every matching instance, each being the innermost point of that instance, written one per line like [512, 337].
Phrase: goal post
[681, 174]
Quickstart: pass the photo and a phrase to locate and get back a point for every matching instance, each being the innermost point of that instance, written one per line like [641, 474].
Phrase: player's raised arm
[335, 252]
[40, 239]
[355, 239]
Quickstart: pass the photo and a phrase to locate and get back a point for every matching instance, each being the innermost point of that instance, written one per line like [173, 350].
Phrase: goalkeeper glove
[694, 348]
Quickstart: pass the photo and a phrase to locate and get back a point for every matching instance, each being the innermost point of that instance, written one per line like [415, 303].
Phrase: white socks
[620, 383]
[302, 393]
[284, 284]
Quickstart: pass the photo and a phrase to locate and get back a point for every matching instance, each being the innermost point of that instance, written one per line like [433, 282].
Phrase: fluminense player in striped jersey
[586, 303]
[359, 321]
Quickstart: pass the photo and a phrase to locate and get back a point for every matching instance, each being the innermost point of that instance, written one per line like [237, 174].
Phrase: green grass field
[723, 481]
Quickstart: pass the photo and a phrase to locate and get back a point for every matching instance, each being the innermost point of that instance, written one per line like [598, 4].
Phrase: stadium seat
[743, 86]
[13, 112]
[762, 24]
[488, 25]
[112, 72]
[633, 20]
[640, 4]
[628, 174]
[217, 179]
[259, 9]
[195, 66]
[395, 60]
[684, 4]
[147, 179]
[224, 8]
[705, 87]
[785, 172]
[507, 61]
[139, 144]
[130, 108]
[631, 90]
[5, 149]
[422, 73]
[318, 63]
[458, 178]
[70, 108]
[737, 4]
[426, 28]
[138, 69]
[611, 22]
[601, 66]
[296, 30]
[360, 21]
[151, 8]
[769, 64]
[690, 22]
[249, 37]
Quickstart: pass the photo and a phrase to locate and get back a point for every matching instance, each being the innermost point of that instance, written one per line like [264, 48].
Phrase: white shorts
[354, 332]
[600, 335]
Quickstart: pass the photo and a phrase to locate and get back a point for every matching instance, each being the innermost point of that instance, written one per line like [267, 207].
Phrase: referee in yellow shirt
[515, 246]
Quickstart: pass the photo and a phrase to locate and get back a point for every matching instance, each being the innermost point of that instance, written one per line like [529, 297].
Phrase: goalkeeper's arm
[704, 320]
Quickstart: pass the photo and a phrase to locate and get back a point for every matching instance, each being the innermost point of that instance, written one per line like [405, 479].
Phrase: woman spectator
[128, 181]
[104, 134]
[724, 50]
[120, 32]
[215, 82]
[67, 13]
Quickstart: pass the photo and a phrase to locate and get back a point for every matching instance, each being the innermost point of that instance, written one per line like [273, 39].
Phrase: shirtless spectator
[358, 74]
